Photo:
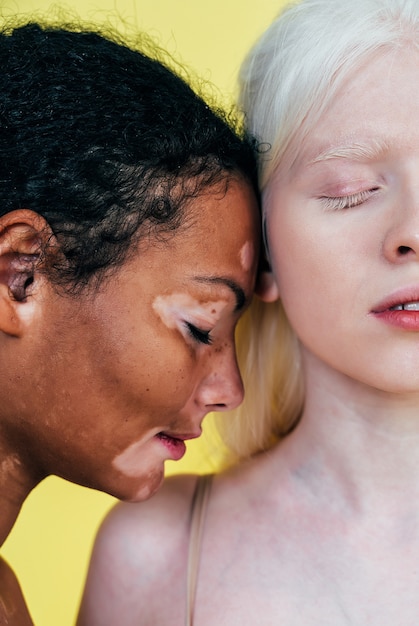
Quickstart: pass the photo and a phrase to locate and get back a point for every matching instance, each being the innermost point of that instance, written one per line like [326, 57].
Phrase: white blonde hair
[287, 81]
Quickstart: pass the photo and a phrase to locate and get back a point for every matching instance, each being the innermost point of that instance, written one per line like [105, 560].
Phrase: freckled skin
[201, 305]
[91, 380]
[171, 309]
[106, 371]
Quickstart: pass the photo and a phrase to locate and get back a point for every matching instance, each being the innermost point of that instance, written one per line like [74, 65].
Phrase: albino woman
[318, 523]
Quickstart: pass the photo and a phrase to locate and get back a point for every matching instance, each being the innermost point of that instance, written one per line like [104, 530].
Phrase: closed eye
[347, 202]
[202, 336]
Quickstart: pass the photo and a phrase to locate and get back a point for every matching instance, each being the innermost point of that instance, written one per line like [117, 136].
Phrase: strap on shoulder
[198, 513]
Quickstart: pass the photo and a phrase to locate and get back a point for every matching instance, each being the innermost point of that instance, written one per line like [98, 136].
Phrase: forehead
[372, 109]
[368, 114]
[228, 211]
[219, 236]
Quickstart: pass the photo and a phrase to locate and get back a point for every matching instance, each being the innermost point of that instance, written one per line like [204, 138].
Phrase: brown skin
[12, 605]
[82, 377]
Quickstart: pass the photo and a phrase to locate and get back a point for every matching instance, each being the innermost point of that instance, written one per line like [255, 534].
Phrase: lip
[403, 319]
[175, 442]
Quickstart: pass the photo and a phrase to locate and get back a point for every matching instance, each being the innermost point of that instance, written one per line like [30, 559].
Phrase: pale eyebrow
[231, 284]
[353, 152]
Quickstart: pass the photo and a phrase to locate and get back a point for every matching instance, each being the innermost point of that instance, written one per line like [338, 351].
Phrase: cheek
[151, 365]
[310, 256]
[127, 461]
[141, 472]
[313, 283]
[140, 468]
[165, 384]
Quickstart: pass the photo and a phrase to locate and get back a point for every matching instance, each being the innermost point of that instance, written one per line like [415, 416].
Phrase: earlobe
[266, 287]
[9, 321]
[22, 237]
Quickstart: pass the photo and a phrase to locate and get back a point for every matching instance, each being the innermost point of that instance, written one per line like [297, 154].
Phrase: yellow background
[50, 544]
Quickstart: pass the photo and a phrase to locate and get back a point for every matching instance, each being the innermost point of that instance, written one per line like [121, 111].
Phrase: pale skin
[102, 388]
[323, 529]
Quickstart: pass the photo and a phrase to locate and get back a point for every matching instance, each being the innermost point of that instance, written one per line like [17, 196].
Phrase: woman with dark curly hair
[128, 251]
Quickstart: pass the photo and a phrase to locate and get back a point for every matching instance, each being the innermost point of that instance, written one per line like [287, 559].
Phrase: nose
[221, 387]
[401, 243]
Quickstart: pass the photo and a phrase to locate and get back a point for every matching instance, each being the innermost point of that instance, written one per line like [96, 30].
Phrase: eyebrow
[355, 151]
[231, 284]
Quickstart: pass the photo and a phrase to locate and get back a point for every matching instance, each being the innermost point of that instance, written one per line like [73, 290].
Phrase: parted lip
[397, 298]
[181, 436]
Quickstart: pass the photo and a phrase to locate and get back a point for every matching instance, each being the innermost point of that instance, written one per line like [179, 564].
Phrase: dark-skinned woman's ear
[22, 234]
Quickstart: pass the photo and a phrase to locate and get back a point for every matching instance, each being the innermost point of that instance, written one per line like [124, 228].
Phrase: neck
[357, 446]
[15, 485]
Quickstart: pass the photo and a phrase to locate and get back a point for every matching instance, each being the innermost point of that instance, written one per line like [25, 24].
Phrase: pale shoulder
[165, 512]
[139, 560]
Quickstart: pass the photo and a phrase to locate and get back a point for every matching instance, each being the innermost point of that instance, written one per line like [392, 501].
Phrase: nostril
[404, 250]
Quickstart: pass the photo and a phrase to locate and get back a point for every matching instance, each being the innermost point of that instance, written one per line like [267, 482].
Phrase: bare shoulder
[253, 490]
[166, 512]
[239, 484]
[139, 559]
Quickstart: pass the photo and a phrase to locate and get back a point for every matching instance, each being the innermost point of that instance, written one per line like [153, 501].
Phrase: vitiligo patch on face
[127, 461]
[247, 255]
[174, 307]
[132, 465]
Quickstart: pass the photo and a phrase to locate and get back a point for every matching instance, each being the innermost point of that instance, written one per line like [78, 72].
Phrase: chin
[141, 488]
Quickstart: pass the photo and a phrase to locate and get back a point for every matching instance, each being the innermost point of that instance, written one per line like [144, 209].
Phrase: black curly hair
[100, 139]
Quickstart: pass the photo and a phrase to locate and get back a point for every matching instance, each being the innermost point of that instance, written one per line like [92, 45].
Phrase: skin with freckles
[322, 528]
[171, 309]
[127, 371]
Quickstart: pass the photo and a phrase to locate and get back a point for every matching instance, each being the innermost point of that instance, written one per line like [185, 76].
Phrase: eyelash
[348, 202]
[202, 336]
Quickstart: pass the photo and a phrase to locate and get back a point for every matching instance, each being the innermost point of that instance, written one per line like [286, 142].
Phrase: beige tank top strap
[198, 513]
